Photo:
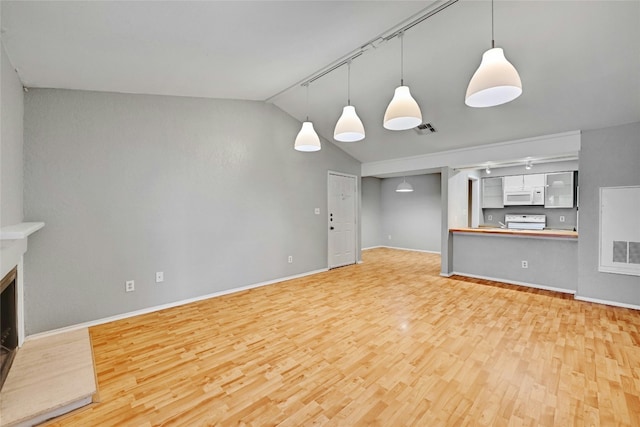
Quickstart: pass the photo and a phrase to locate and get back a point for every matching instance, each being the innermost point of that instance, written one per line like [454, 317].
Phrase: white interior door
[342, 220]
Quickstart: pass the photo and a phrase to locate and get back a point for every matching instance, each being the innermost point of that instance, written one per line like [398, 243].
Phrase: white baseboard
[514, 282]
[402, 249]
[412, 250]
[168, 305]
[446, 274]
[607, 302]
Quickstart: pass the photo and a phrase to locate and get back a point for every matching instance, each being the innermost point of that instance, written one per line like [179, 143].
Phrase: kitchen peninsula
[544, 259]
[526, 234]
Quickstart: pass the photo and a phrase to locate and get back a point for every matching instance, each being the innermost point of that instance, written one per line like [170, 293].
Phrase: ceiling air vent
[425, 129]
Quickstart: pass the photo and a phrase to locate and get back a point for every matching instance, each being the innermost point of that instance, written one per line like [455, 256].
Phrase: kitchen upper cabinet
[514, 182]
[535, 180]
[492, 195]
[522, 182]
[560, 190]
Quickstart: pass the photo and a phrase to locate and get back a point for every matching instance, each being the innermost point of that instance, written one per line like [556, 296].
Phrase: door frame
[356, 225]
[475, 209]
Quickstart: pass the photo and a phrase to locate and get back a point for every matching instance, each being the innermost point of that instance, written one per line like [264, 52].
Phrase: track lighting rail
[393, 32]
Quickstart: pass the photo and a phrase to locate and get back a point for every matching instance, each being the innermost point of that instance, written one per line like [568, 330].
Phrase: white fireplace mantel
[13, 245]
[20, 231]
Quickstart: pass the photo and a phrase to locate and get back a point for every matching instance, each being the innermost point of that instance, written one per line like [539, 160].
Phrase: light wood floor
[387, 343]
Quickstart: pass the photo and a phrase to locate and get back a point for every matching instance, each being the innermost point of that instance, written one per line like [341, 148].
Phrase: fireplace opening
[8, 323]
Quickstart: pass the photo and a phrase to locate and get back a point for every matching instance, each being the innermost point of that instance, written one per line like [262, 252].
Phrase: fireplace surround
[13, 247]
[8, 323]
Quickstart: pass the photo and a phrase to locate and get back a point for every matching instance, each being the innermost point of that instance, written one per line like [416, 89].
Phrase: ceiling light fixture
[349, 127]
[307, 139]
[404, 187]
[496, 81]
[403, 111]
[488, 170]
[529, 165]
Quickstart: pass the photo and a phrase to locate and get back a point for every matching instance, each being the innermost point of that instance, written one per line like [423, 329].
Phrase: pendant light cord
[349, 83]
[493, 43]
[401, 35]
[307, 85]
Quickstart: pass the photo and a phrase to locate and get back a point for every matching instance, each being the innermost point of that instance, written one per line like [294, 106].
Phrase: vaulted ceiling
[579, 61]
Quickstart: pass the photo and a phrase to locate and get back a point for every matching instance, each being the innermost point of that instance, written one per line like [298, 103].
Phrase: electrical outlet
[561, 218]
[159, 276]
[317, 211]
[290, 259]
[525, 264]
[389, 236]
[490, 217]
[129, 286]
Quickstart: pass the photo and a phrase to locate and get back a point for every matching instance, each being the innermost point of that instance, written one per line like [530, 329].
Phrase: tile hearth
[50, 376]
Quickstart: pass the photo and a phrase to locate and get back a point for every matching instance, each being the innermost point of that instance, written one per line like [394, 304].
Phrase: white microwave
[526, 196]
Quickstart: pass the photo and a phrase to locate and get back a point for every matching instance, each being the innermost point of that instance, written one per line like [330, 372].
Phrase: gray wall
[371, 212]
[608, 158]
[412, 219]
[446, 238]
[11, 164]
[211, 192]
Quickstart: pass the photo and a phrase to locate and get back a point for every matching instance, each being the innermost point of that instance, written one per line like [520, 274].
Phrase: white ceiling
[579, 61]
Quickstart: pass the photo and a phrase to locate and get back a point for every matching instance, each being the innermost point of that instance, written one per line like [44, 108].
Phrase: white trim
[401, 249]
[20, 231]
[608, 302]
[169, 305]
[412, 250]
[20, 301]
[546, 145]
[514, 282]
[446, 274]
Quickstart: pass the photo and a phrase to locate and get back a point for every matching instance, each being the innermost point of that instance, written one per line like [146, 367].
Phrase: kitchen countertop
[524, 233]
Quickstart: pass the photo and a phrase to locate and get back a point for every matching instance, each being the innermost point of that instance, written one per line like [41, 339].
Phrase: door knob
[330, 228]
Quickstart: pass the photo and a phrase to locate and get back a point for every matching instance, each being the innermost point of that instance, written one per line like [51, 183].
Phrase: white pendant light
[403, 111]
[307, 139]
[349, 127]
[496, 81]
[529, 165]
[404, 187]
[488, 170]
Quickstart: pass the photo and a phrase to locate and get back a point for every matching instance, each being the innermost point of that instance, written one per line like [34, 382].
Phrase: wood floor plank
[386, 342]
